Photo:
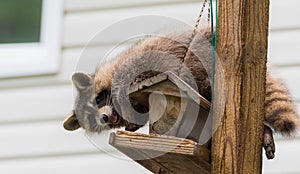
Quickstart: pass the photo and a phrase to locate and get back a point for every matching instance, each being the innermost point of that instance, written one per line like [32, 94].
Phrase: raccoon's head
[92, 111]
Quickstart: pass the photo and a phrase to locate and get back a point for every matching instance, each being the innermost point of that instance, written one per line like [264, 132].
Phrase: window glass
[20, 21]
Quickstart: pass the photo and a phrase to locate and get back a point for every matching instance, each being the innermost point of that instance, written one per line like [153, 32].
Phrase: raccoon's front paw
[132, 127]
[268, 142]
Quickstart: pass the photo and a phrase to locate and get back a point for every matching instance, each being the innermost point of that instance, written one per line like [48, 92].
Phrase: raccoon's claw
[268, 142]
[132, 127]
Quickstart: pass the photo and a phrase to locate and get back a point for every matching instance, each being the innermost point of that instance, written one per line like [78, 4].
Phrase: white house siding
[32, 109]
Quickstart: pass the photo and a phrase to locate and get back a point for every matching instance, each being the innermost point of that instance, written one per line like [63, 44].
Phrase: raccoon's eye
[98, 100]
[101, 98]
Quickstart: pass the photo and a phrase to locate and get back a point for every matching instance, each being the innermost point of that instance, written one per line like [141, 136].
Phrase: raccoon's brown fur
[192, 63]
[280, 112]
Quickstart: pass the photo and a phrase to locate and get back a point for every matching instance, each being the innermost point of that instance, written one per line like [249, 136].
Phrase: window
[29, 37]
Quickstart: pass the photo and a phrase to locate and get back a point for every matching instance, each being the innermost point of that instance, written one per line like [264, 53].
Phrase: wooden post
[242, 53]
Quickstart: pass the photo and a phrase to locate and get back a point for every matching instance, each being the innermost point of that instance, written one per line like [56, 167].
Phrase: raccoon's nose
[103, 118]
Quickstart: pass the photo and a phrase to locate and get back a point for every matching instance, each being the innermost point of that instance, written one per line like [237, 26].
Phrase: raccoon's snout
[103, 118]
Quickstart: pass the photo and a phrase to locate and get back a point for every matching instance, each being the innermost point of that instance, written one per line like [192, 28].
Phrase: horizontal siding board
[286, 158]
[45, 139]
[35, 103]
[97, 164]
[283, 14]
[37, 81]
[78, 5]
[284, 47]
[79, 28]
[88, 58]
[290, 77]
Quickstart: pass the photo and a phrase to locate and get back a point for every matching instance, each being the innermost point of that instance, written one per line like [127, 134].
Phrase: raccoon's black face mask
[93, 113]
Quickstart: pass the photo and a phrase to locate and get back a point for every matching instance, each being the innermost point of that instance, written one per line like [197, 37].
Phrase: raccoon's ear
[82, 80]
[71, 123]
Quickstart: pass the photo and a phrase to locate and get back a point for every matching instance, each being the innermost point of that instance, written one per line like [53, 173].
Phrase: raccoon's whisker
[98, 128]
[93, 126]
[109, 102]
[106, 99]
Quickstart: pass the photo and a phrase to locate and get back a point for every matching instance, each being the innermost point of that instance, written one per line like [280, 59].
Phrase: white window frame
[27, 59]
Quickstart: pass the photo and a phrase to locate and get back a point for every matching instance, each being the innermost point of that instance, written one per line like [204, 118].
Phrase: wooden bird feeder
[173, 105]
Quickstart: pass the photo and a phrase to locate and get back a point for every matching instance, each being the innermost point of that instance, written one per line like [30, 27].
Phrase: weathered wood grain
[242, 49]
[167, 152]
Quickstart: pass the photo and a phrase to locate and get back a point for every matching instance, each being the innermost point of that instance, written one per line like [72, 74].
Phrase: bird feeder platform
[163, 154]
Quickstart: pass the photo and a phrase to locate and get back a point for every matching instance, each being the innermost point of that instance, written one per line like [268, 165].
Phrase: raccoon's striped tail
[280, 112]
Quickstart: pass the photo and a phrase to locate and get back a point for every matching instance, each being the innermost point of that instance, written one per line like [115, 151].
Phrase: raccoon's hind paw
[268, 142]
[132, 127]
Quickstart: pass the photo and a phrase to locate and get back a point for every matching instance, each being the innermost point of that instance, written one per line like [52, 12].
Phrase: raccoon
[187, 56]
[93, 111]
